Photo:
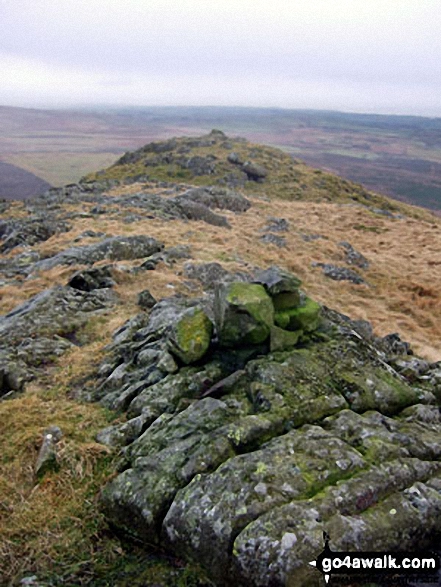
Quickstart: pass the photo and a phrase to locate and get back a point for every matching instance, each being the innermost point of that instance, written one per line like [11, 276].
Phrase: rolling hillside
[322, 413]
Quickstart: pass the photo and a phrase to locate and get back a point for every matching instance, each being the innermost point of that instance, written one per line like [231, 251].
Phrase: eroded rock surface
[240, 458]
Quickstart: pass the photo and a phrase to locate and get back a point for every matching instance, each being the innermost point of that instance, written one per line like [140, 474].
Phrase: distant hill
[19, 184]
[399, 156]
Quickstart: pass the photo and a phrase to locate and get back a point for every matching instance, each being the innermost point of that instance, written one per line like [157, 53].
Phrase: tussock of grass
[47, 526]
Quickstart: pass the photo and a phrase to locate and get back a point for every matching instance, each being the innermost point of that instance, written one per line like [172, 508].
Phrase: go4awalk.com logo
[394, 564]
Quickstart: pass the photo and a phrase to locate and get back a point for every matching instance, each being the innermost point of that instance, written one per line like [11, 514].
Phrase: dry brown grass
[48, 524]
[404, 278]
[55, 522]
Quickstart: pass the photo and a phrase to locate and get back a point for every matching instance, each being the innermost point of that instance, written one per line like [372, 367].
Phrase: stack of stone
[269, 307]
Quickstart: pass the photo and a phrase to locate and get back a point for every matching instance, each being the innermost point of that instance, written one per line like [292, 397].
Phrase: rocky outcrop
[29, 232]
[240, 455]
[115, 248]
[37, 332]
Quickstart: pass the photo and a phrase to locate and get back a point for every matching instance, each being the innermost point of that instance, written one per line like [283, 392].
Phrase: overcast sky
[351, 55]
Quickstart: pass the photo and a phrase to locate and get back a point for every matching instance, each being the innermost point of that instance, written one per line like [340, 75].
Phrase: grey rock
[234, 158]
[167, 363]
[254, 171]
[200, 165]
[353, 257]
[212, 274]
[145, 300]
[216, 197]
[241, 461]
[340, 273]
[276, 280]
[277, 225]
[30, 231]
[43, 328]
[195, 211]
[116, 248]
[274, 239]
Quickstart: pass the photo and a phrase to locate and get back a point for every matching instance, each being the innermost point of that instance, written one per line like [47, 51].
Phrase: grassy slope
[53, 527]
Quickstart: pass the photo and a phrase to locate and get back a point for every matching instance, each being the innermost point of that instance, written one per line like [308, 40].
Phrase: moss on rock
[244, 314]
[305, 317]
[191, 336]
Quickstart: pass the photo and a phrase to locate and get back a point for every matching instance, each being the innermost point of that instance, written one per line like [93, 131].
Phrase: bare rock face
[243, 457]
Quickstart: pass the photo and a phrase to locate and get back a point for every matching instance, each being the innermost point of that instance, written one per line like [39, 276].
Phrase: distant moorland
[395, 155]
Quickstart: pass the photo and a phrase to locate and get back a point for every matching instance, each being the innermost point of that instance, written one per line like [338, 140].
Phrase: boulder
[254, 171]
[277, 281]
[196, 211]
[211, 275]
[190, 336]
[244, 314]
[216, 197]
[234, 158]
[145, 300]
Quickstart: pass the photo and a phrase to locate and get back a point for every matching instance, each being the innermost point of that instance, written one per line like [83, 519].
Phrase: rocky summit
[203, 370]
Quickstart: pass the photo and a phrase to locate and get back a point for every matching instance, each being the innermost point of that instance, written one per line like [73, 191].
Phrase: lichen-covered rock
[242, 460]
[304, 317]
[216, 508]
[38, 331]
[244, 314]
[282, 339]
[115, 248]
[190, 336]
